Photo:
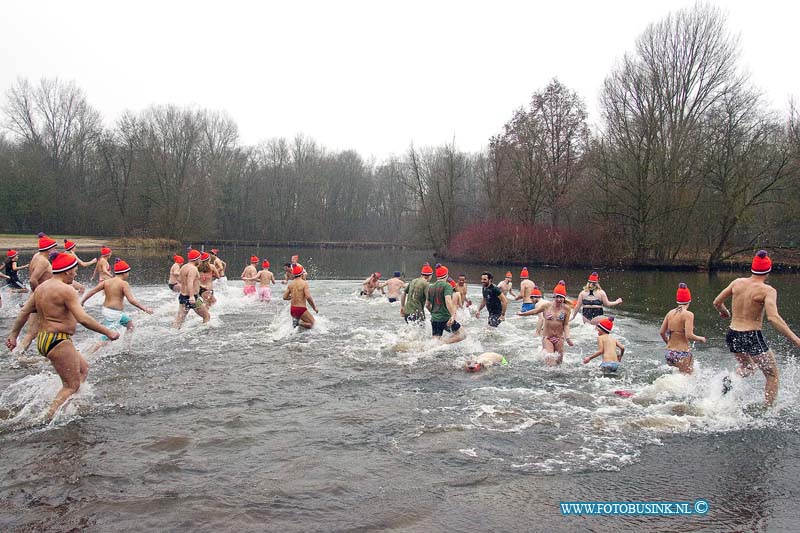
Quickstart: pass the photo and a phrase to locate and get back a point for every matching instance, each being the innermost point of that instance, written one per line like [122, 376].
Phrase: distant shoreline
[27, 243]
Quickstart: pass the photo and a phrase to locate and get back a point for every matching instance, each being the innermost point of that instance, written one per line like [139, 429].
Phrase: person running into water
[218, 264]
[752, 298]
[415, 296]
[592, 299]
[11, 268]
[678, 329]
[485, 360]
[59, 310]
[39, 271]
[189, 298]
[103, 269]
[460, 292]
[443, 311]
[116, 290]
[536, 297]
[249, 277]
[607, 347]
[393, 287]
[207, 273]
[287, 273]
[506, 286]
[299, 294]
[264, 277]
[69, 248]
[555, 330]
[372, 283]
[174, 271]
[493, 300]
[526, 287]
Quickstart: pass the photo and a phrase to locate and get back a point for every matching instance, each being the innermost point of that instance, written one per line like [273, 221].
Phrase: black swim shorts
[440, 327]
[184, 301]
[749, 342]
[494, 320]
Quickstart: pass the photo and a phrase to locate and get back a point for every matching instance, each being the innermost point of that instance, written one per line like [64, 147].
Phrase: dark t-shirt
[491, 295]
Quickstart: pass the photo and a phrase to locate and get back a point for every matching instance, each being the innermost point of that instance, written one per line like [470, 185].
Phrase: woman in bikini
[592, 299]
[207, 274]
[556, 325]
[677, 330]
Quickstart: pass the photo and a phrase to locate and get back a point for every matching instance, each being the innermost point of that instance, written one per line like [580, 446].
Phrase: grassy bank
[86, 242]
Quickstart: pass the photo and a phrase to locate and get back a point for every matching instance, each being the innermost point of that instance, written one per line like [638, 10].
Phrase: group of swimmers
[54, 309]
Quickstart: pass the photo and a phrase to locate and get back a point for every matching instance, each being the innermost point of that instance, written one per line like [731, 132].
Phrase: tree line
[687, 161]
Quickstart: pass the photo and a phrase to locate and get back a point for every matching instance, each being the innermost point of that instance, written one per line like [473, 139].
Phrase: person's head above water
[762, 264]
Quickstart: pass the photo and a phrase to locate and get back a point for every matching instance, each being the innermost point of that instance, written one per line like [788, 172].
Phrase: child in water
[607, 347]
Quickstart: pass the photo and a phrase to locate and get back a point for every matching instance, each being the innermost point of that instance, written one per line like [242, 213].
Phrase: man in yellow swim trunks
[56, 303]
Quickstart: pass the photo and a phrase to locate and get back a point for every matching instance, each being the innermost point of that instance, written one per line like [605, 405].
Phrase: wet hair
[488, 275]
[204, 267]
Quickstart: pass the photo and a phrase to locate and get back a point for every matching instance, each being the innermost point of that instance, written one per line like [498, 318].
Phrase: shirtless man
[372, 283]
[116, 291]
[249, 277]
[393, 287]
[607, 347]
[298, 293]
[677, 330]
[752, 298]
[218, 263]
[556, 324]
[264, 277]
[57, 304]
[460, 292]
[103, 269]
[287, 273]
[189, 298]
[505, 286]
[174, 284]
[485, 360]
[526, 287]
[39, 271]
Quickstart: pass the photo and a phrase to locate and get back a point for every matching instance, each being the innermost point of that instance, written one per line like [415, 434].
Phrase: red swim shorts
[297, 312]
[249, 289]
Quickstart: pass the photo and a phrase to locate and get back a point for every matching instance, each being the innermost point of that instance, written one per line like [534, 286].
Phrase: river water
[365, 423]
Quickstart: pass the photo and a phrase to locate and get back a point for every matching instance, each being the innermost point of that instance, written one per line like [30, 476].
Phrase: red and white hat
[178, 259]
[214, 251]
[63, 262]
[594, 277]
[12, 253]
[683, 296]
[606, 324]
[524, 273]
[265, 264]
[120, 266]
[508, 274]
[45, 243]
[69, 245]
[105, 250]
[442, 272]
[193, 255]
[427, 270]
[536, 293]
[560, 289]
[298, 270]
[253, 259]
[762, 264]
[205, 256]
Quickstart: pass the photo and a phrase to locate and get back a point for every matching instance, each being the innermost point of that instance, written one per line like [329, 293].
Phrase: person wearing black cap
[393, 287]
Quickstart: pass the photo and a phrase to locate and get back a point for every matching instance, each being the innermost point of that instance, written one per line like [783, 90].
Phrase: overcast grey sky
[369, 75]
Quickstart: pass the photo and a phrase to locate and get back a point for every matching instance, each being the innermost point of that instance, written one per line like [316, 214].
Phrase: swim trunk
[494, 320]
[45, 342]
[591, 312]
[184, 301]
[749, 342]
[171, 286]
[249, 289]
[609, 366]
[297, 312]
[203, 289]
[440, 327]
[264, 294]
[392, 300]
[112, 319]
[673, 357]
[528, 307]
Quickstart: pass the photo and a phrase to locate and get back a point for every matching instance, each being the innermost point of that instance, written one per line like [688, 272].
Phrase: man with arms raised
[56, 303]
[189, 298]
[299, 293]
[752, 297]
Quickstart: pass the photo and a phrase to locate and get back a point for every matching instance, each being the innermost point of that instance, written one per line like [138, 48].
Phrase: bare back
[298, 292]
[265, 277]
[190, 280]
[747, 307]
[51, 299]
[40, 270]
[174, 272]
[526, 289]
[114, 291]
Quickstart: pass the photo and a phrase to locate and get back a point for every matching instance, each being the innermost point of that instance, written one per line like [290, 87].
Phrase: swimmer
[752, 298]
[493, 300]
[103, 269]
[555, 331]
[393, 287]
[443, 311]
[677, 330]
[189, 297]
[299, 294]
[371, 284]
[264, 277]
[173, 283]
[11, 268]
[607, 347]
[506, 286]
[60, 312]
[249, 277]
[485, 360]
[415, 295]
[116, 290]
[592, 299]
[526, 287]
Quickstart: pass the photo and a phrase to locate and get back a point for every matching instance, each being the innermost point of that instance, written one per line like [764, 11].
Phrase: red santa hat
[524, 273]
[441, 272]
[105, 250]
[762, 264]
[265, 264]
[120, 266]
[69, 245]
[193, 255]
[297, 270]
[560, 289]
[683, 296]
[205, 256]
[178, 259]
[12, 253]
[594, 277]
[45, 243]
[63, 262]
[253, 259]
[606, 324]
[427, 270]
[536, 292]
